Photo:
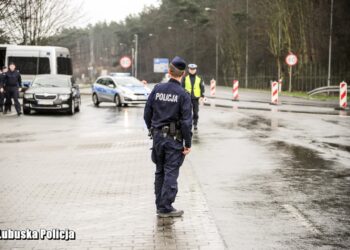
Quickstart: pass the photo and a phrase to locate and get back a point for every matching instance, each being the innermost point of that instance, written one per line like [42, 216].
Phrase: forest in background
[265, 30]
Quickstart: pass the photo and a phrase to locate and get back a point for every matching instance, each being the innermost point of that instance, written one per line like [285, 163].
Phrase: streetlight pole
[217, 55]
[330, 46]
[246, 49]
[136, 52]
[216, 46]
[193, 39]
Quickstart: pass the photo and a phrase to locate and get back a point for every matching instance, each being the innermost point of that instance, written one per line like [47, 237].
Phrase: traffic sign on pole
[125, 62]
[291, 60]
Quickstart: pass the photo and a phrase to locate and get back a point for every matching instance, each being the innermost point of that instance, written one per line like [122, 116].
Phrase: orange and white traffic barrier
[212, 87]
[343, 95]
[274, 93]
[235, 90]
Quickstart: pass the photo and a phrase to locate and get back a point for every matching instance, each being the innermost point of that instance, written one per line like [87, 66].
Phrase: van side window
[31, 65]
[44, 66]
[64, 66]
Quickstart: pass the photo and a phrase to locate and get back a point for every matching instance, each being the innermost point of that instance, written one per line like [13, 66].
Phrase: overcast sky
[110, 10]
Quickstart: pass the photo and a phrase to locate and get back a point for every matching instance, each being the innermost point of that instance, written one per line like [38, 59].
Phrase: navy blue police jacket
[169, 102]
[2, 80]
[13, 79]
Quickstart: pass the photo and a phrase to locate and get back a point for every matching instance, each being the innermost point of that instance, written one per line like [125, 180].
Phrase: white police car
[119, 89]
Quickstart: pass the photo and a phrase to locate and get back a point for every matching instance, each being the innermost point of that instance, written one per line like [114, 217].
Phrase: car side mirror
[112, 86]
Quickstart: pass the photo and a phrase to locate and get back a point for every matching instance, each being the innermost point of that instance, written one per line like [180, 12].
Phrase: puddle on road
[256, 123]
[302, 157]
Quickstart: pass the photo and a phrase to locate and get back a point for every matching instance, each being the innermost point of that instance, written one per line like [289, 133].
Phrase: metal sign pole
[290, 78]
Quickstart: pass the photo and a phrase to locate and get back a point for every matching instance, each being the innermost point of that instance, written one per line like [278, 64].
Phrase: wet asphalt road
[272, 180]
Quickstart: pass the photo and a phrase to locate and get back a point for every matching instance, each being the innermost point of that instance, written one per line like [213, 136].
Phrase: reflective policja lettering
[166, 97]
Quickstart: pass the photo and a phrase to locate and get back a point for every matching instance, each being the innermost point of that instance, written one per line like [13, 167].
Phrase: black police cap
[179, 63]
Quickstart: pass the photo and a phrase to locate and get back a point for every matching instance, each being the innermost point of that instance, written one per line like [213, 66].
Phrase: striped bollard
[212, 92]
[343, 95]
[212, 87]
[235, 90]
[280, 85]
[274, 93]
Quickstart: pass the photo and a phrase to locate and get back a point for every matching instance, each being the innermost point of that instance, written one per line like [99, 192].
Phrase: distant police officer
[194, 85]
[168, 117]
[13, 85]
[2, 90]
[2, 80]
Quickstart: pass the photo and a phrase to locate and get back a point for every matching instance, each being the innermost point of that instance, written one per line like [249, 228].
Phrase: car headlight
[28, 96]
[64, 97]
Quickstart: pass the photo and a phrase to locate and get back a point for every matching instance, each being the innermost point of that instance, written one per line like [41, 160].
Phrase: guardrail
[326, 89]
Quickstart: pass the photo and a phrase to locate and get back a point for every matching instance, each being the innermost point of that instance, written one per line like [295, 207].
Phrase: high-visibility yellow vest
[196, 86]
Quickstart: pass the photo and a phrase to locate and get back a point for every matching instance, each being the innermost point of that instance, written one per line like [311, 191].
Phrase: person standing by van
[2, 91]
[13, 85]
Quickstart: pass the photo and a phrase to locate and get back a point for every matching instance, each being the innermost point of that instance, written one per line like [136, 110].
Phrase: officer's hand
[1, 90]
[20, 89]
[186, 151]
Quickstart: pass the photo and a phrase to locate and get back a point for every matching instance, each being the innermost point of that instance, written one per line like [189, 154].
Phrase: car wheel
[117, 101]
[26, 111]
[72, 108]
[77, 108]
[95, 100]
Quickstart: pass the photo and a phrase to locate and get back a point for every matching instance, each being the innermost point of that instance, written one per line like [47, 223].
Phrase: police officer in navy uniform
[168, 115]
[2, 90]
[194, 85]
[13, 85]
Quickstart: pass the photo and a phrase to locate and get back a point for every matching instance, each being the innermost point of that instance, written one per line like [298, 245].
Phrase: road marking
[297, 214]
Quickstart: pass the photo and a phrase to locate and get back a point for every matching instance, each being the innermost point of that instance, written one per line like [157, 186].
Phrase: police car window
[128, 81]
[100, 81]
[110, 82]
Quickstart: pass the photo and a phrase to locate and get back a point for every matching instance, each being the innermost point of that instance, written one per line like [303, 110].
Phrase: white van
[36, 60]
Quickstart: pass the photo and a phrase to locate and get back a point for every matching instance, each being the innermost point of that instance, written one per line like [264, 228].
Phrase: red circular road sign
[125, 62]
[291, 59]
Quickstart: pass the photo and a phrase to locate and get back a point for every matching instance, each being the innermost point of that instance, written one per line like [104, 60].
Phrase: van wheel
[117, 101]
[95, 100]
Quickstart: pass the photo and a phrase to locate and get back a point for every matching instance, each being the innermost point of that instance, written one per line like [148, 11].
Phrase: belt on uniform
[165, 131]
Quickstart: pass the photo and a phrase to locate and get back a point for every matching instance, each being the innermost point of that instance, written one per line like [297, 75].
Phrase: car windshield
[51, 82]
[128, 81]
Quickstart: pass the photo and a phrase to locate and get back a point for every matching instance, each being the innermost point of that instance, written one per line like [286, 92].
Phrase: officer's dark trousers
[168, 157]
[12, 93]
[195, 106]
[2, 98]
